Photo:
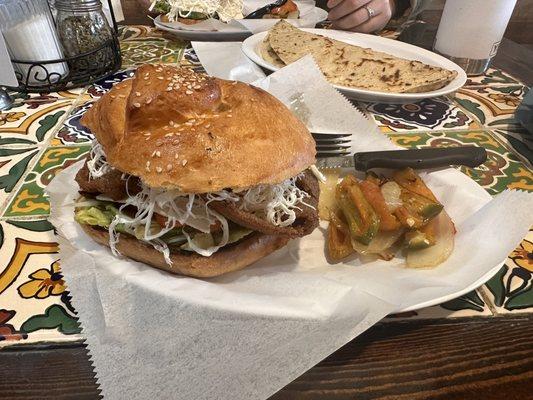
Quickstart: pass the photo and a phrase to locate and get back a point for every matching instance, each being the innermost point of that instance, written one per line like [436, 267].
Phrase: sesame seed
[159, 169]
[136, 105]
[153, 153]
[169, 167]
[147, 134]
[113, 96]
[138, 94]
[147, 163]
[158, 153]
[207, 125]
[148, 101]
[176, 156]
[148, 138]
[171, 123]
[160, 78]
[146, 78]
[234, 83]
[229, 115]
[169, 89]
[188, 92]
[184, 162]
[122, 96]
[169, 134]
[192, 120]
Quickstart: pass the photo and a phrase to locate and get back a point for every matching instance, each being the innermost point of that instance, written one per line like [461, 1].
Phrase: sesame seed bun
[178, 129]
[230, 258]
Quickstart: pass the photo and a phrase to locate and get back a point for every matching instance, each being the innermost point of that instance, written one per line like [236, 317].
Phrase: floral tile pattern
[32, 118]
[438, 113]
[493, 106]
[469, 305]
[13, 165]
[30, 199]
[519, 140]
[35, 304]
[141, 51]
[190, 59]
[511, 289]
[72, 132]
[491, 77]
[41, 135]
[135, 32]
[98, 89]
[502, 170]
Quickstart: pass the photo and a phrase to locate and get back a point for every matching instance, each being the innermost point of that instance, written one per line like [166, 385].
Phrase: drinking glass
[470, 32]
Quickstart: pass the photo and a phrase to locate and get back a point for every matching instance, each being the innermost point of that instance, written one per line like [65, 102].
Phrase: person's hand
[354, 15]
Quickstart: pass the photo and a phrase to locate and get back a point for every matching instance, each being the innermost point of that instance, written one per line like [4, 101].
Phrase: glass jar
[32, 42]
[85, 34]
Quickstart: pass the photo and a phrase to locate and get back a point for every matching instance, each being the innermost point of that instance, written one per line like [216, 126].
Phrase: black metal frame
[84, 73]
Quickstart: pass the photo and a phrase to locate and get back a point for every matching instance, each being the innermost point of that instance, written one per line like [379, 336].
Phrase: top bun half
[177, 129]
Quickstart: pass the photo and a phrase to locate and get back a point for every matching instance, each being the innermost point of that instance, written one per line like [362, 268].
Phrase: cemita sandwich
[195, 175]
[352, 66]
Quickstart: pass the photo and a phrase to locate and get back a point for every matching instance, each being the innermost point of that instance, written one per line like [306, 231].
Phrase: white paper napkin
[246, 334]
[226, 60]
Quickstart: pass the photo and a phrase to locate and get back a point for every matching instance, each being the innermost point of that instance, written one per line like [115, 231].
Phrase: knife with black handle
[470, 156]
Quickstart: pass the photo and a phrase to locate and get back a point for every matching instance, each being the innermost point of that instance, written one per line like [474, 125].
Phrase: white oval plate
[230, 36]
[390, 46]
[454, 295]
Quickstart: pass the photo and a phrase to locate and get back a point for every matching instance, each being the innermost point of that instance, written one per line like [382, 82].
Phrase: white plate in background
[317, 15]
[396, 48]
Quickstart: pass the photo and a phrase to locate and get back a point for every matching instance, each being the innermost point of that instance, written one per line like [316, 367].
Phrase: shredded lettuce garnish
[225, 9]
[97, 163]
[275, 203]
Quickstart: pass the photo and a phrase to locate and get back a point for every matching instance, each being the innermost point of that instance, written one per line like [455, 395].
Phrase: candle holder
[42, 76]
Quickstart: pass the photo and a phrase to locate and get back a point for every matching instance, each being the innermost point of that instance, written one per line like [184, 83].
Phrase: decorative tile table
[41, 135]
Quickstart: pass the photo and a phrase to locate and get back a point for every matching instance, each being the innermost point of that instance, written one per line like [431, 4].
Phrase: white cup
[470, 31]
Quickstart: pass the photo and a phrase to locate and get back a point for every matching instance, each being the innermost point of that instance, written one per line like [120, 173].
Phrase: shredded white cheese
[275, 203]
[97, 163]
[226, 9]
[316, 172]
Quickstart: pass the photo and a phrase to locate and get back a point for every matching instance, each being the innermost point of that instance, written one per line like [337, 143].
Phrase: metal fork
[332, 145]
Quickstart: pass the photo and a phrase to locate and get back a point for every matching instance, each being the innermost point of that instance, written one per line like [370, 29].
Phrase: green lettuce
[102, 214]
[206, 240]
[161, 6]
[97, 215]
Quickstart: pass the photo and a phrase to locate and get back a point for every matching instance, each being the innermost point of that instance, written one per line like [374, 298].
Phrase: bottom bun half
[232, 258]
